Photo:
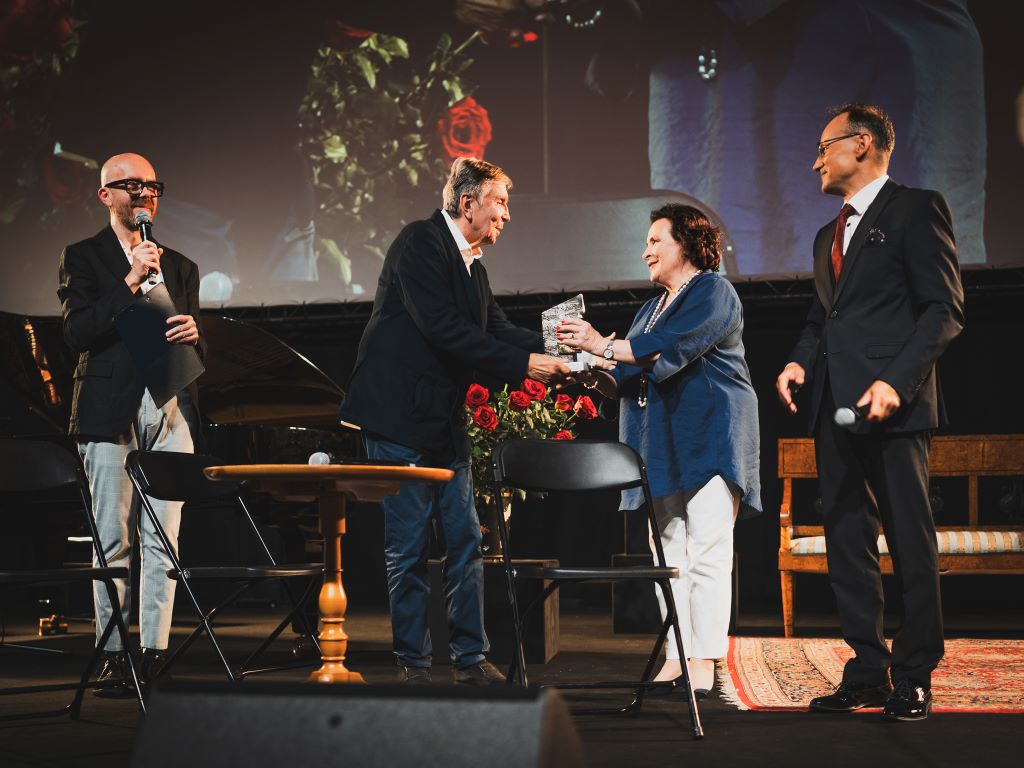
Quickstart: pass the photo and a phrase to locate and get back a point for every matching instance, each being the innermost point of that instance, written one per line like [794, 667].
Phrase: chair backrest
[567, 465]
[175, 476]
[35, 465]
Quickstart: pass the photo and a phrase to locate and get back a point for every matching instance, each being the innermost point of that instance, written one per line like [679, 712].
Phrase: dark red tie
[837, 242]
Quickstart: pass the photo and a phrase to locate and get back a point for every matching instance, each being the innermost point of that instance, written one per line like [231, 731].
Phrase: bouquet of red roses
[530, 411]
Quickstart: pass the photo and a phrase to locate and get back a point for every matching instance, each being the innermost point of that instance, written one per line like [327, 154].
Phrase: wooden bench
[966, 548]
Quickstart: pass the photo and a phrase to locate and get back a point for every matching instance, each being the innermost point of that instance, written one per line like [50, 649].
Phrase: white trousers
[116, 509]
[696, 534]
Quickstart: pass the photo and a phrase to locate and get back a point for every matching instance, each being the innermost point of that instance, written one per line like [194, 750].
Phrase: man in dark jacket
[889, 301]
[434, 323]
[112, 412]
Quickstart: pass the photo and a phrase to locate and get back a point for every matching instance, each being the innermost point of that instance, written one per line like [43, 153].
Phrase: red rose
[485, 418]
[29, 28]
[534, 389]
[585, 408]
[68, 182]
[562, 434]
[344, 37]
[519, 401]
[465, 131]
[563, 402]
[476, 395]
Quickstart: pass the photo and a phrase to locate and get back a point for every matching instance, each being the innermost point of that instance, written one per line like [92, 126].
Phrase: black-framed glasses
[825, 144]
[134, 187]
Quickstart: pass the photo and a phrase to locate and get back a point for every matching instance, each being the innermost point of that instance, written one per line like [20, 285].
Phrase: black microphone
[144, 221]
[849, 416]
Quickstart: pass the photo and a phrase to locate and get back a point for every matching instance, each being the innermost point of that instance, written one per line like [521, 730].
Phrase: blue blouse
[701, 414]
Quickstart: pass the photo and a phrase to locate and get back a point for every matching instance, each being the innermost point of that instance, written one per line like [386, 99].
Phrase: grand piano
[260, 401]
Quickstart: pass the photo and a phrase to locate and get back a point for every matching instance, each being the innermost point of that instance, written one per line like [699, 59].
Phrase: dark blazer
[432, 326]
[898, 304]
[108, 385]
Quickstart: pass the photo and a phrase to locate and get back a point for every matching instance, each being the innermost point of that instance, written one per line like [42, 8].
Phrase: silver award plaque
[550, 319]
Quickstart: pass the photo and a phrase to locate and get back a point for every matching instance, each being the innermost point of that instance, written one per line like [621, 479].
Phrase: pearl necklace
[663, 303]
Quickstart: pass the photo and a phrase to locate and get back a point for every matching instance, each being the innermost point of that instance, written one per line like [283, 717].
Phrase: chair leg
[296, 608]
[76, 703]
[169, 551]
[787, 602]
[666, 589]
[519, 657]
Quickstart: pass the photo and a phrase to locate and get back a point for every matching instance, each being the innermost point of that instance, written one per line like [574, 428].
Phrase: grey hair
[468, 177]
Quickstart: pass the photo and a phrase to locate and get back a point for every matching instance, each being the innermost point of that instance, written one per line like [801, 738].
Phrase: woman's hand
[579, 334]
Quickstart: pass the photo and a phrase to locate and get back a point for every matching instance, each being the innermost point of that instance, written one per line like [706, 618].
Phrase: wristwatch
[609, 351]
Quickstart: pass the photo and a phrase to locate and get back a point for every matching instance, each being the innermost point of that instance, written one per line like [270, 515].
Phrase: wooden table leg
[333, 601]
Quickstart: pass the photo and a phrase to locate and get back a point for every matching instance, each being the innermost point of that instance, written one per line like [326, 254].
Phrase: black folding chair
[36, 466]
[583, 465]
[179, 477]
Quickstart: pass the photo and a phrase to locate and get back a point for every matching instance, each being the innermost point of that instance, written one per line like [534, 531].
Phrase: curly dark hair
[701, 240]
[869, 119]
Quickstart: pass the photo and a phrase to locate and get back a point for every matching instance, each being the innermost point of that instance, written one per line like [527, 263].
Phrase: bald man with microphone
[112, 411]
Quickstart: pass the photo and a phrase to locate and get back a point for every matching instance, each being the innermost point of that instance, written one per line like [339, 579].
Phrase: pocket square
[875, 237]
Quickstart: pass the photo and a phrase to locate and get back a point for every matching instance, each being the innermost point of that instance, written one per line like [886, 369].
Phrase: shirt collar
[468, 253]
[867, 194]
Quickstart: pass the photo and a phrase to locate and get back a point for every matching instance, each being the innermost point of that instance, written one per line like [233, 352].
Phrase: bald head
[124, 207]
[127, 165]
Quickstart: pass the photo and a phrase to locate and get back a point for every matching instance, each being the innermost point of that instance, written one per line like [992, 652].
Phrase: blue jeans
[406, 523]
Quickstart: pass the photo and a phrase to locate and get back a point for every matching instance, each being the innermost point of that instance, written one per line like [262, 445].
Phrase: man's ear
[864, 144]
[104, 195]
[466, 204]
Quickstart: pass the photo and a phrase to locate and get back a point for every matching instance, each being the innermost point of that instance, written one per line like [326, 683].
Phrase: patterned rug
[770, 673]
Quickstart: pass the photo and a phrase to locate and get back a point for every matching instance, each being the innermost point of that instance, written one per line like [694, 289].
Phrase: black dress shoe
[675, 687]
[113, 682]
[153, 661]
[482, 673]
[414, 675]
[908, 702]
[849, 697]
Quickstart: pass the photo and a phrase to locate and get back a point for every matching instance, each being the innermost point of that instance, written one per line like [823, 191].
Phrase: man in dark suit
[434, 323]
[112, 412]
[889, 301]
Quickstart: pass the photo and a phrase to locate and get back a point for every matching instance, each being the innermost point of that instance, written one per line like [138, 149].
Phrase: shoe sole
[890, 718]
[831, 711]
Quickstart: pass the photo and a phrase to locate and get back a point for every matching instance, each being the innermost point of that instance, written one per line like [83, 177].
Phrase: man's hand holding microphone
[145, 267]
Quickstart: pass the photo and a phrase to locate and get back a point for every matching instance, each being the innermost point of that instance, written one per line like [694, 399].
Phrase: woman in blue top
[687, 406]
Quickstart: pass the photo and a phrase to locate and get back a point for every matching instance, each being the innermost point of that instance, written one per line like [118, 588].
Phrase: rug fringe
[726, 687]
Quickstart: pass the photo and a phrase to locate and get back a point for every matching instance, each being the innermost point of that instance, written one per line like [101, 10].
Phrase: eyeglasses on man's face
[134, 187]
[822, 146]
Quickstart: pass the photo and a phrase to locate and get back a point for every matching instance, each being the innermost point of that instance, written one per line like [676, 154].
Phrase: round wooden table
[332, 486]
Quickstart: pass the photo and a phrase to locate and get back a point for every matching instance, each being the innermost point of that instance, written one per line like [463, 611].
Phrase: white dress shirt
[468, 253]
[860, 202]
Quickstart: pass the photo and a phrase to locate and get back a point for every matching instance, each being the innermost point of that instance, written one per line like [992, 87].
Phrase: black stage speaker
[193, 725]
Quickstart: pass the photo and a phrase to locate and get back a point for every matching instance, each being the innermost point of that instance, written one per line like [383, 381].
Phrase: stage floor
[105, 734]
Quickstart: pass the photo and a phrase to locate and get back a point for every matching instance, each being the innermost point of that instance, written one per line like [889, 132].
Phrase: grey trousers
[117, 508]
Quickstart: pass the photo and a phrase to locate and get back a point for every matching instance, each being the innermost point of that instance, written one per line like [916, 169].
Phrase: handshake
[557, 372]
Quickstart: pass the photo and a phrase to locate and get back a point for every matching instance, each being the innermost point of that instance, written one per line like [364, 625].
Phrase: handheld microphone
[848, 416]
[144, 221]
[319, 458]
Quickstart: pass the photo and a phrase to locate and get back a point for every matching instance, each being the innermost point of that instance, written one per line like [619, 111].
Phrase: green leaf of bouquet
[335, 150]
[344, 262]
[366, 67]
[395, 46]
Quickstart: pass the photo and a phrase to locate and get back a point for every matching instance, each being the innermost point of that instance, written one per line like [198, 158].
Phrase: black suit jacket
[897, 305]
[108, 385]
[433, 324]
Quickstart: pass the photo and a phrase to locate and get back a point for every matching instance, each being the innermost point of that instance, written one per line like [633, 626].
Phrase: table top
[360, 482]
[316, 472]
